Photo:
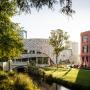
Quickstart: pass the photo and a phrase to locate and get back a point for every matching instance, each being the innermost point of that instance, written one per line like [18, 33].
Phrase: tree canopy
[10, 41]
[27, 5]
[7, 7]
[11, 44]
[59, 41]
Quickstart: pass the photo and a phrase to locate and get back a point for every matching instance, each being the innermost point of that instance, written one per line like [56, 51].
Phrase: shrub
[5, 82]
[16, 81]
[23, 82]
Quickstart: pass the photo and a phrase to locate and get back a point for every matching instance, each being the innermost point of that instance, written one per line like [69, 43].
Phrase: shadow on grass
[67, 72]
[55, 69]
[50, 69]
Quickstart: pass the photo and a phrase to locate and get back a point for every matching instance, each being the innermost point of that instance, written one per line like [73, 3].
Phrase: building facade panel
[40, 48]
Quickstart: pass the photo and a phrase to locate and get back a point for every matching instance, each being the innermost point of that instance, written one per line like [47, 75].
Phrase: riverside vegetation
[73, 78]
[16, 81]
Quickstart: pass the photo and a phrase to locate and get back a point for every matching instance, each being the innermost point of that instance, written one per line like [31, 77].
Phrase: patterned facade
[39, 51]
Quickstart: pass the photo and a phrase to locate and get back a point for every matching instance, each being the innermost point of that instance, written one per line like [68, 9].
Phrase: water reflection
[54, 86]
[45, 86]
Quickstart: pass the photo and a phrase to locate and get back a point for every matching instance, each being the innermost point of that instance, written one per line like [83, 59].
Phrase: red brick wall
[87, 43]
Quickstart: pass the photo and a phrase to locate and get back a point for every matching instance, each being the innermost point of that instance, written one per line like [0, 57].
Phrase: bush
[16, 81]
[5, 82]
[23, 82]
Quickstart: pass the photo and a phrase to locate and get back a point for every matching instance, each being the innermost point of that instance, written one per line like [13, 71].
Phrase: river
[45, 86]
[54, 86]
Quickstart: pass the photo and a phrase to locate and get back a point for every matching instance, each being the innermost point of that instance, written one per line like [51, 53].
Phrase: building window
[39, 60]
[25, 59]
[32, 60]
[85, 49]
[45, 60]
[38, 52]
[32, 52]
[42, 60]
[85, 38]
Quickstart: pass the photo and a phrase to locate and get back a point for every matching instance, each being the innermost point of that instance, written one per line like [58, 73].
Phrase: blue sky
[39, 24]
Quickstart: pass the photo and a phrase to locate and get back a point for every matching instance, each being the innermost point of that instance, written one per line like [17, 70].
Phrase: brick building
[85, 49]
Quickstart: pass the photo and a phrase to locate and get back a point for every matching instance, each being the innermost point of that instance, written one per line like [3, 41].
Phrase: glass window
[25, 59]
[32, 60]
[39, 60]
[85, 49]
[45, 60]
[32, 52]
[85, 38]
[38, 52]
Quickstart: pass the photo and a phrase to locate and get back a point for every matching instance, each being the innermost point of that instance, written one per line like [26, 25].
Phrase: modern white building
[39, 52]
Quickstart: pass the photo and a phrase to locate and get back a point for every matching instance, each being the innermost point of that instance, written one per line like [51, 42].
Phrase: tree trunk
[57, 61]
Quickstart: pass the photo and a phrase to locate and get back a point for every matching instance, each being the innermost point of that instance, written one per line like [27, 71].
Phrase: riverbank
[69, 77]
[75, 79]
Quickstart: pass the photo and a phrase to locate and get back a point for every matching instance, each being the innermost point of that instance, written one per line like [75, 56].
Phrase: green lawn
[77, 76]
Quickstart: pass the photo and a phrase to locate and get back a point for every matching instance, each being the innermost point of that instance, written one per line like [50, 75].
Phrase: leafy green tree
[59, 42]
[8, 8]
[11, 44]
[8, 32]
[27, 5]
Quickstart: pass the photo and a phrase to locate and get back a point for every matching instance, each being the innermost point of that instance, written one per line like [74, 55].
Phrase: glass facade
[39, 60]
[42, 60]
[45, 61]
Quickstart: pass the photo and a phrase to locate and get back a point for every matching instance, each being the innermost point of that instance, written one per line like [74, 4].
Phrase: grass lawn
[77, 76]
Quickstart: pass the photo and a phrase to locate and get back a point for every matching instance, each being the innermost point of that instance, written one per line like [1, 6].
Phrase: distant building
[85, 49]
[39, 52]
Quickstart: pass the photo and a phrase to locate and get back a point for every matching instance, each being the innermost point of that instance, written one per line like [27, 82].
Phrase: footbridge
[12, 65]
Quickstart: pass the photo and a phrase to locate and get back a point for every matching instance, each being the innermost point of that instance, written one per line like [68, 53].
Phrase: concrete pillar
[36, 61]
[49, 63]
[85, 62]
[5, 66]
[28, 62]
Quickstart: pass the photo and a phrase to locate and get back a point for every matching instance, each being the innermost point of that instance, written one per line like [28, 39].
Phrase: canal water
[45, 86]
[54, 86]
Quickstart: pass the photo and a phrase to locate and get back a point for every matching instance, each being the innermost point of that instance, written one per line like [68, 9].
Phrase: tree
[8, 8]
[59, 42]
[27, 5]
[11, 44]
